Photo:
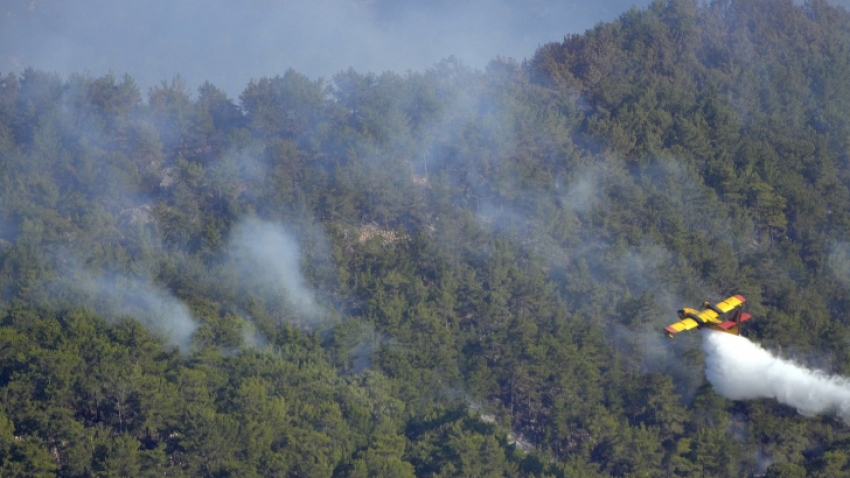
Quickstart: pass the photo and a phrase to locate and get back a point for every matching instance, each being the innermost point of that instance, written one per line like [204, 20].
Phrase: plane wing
[731, 303]
[680, 326]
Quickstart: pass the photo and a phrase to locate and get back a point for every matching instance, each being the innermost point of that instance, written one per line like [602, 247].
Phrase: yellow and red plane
[725, 317]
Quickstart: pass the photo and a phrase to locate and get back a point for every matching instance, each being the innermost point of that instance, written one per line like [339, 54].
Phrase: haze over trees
[228, 43]
[445, 273]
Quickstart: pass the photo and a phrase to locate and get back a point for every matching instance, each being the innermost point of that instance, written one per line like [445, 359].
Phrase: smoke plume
[115, 295]
[269, 260]
[740, 370]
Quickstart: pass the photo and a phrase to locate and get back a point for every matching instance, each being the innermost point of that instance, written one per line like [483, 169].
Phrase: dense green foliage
[484, 259]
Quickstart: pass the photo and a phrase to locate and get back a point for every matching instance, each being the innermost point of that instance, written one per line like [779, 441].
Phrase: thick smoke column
[739, 370]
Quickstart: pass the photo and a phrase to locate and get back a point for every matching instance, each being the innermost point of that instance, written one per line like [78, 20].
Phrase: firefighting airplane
[725, 317]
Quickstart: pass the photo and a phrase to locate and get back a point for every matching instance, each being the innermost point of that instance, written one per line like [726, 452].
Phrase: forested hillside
[442, 273]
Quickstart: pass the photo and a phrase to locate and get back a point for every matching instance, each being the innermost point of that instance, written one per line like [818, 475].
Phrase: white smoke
[269, 260]
[115, 295]
[741, 370]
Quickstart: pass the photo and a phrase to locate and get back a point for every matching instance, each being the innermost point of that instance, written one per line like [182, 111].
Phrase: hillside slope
[446, 273]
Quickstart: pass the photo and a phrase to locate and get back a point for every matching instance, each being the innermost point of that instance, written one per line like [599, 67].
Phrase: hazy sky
[230, 42]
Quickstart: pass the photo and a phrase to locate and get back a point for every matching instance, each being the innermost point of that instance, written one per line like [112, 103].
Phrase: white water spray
[739, 370]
